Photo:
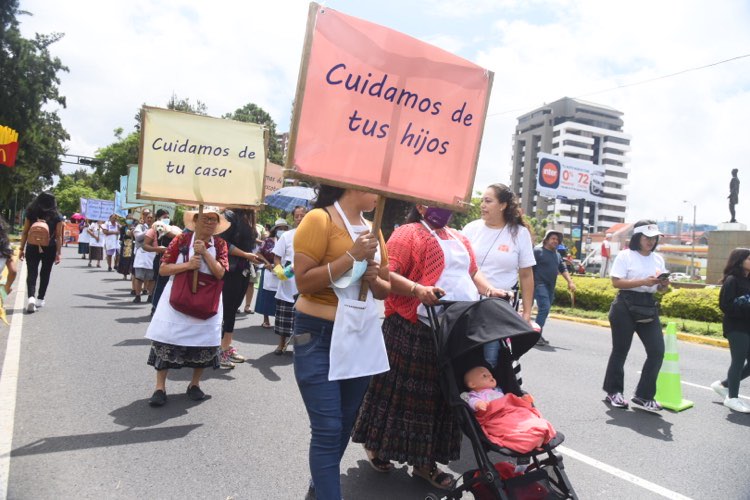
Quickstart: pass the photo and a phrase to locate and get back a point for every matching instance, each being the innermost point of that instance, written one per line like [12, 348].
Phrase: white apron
[144, 259]
[455, 278]
[173, 327]
[357, 344]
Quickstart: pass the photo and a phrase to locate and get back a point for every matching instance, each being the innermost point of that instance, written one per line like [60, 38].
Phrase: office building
[578, 129]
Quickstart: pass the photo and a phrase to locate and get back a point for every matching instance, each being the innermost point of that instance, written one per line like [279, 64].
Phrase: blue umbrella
[289, 197]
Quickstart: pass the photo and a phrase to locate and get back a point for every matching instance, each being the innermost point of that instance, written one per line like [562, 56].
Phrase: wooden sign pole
[379, 209]
[195, 273]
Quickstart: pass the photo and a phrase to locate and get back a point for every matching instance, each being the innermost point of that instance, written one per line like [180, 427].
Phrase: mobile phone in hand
[664, 276]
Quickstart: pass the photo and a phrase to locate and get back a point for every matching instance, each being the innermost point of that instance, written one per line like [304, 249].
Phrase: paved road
[82, 428]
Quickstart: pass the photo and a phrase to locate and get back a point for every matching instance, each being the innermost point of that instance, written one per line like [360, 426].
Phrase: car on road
[679, 277]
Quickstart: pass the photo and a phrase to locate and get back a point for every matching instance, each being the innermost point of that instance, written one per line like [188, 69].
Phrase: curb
[687, 337]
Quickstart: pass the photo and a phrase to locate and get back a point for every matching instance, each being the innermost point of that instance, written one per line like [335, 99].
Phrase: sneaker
[224, 362]
[39, 303]
[31, 305]
[736, 404]
[645, 404]
[195, 393]
[720, 389]
[542, 341]
[616, 400]
[234, 356]
[158, 398]
[137, 299]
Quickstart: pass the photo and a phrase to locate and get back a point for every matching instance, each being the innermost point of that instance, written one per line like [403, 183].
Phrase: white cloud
[688, 131]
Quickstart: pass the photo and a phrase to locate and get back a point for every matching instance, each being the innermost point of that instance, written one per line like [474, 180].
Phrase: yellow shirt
[318, 238]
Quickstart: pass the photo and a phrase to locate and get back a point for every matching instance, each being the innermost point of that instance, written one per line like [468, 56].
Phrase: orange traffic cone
[668, 384]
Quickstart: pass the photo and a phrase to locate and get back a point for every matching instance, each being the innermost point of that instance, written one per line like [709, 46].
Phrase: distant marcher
[734, 301]
[111, 231]
[549, 264]
[143, 263]
[265, 304]
[127, 248]
[6, 261]
[240, 237]
[151, 245]
[83, 238]
[504, 250]
[164, 234]
[42, 209]
[638, 272]
[606, 255]
[179, 340]
[286, 294]
[734, 194]
[96, 243]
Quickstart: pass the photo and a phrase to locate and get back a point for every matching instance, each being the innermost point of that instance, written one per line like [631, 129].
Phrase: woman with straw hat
[180, 340]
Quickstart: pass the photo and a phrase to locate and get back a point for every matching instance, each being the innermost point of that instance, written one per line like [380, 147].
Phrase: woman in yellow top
[334, 251]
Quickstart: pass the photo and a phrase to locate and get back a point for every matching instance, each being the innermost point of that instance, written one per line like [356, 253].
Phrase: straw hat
[222, 226]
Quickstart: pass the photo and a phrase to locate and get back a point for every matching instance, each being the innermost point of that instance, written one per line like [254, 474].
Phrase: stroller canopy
[467, 325]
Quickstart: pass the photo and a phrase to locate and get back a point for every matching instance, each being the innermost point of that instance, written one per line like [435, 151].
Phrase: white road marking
[619, 473]
[9, 382]
[708, 388]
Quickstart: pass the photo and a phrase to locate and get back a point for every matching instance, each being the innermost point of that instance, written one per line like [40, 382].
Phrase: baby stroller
[460, 334]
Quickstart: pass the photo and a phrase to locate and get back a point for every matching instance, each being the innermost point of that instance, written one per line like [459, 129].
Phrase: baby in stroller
[506, 419]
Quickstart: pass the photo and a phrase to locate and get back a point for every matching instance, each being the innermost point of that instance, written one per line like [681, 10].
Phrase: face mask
[280, 232]
[129, 222]
[349, 277]
[165, 221]
[437, 217]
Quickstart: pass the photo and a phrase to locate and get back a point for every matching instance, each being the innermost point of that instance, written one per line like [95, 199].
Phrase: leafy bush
[596, 294]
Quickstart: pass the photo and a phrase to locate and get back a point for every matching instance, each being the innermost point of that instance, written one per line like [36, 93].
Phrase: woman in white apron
[265, 303]
[404, 417]
[337, 339]
[179, 340]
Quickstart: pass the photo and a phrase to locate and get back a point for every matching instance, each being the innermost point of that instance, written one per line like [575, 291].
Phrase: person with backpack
[548, 265]
[41, 243]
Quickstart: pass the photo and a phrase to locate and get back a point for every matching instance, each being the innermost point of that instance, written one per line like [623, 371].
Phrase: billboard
[561, 177]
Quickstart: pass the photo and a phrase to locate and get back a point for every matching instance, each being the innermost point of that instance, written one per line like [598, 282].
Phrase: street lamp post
[692, 255]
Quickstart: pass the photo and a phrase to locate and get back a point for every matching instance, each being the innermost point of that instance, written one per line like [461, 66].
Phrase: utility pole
[692, 255]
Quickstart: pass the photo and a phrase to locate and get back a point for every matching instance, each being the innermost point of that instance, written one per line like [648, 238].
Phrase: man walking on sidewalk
[548, 265]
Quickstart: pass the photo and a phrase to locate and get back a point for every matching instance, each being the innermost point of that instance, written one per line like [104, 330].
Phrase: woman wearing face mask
[404, 417]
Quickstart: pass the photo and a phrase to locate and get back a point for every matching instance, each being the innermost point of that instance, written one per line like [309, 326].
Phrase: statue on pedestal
[734, 194]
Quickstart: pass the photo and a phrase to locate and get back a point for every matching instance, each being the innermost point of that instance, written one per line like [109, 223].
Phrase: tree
[29, 84]
[70, 190]
[253, 113]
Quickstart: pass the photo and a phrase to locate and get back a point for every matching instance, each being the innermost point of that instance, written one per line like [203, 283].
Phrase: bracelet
[350, 255]
[330, 276]
[413, 289]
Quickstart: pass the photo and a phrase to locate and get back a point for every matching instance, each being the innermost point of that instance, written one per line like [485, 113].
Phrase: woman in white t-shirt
[504, 250]
[637, 273]
[96, 243]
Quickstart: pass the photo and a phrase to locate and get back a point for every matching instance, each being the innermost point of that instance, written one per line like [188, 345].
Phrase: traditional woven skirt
[404, 416]
[96, 253]
[167, 356]
[83, 248]
[284, 323]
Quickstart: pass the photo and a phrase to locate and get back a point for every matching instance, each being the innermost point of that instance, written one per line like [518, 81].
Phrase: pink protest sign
[382, 111]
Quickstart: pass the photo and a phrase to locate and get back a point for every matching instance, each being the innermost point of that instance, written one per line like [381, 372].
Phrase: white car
[679, 277]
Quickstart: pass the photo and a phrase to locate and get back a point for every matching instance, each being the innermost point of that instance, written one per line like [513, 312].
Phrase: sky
[688, 130]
